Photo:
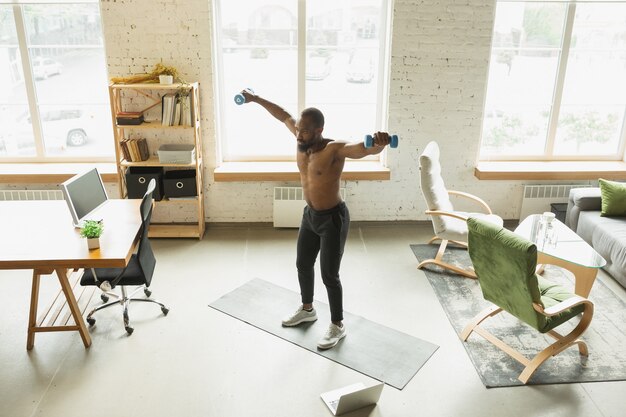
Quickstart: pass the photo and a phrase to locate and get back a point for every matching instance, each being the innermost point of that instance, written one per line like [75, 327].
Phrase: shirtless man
[325, 220]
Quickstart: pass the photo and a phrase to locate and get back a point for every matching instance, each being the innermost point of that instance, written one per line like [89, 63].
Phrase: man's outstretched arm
[274, 109]
[357, 150]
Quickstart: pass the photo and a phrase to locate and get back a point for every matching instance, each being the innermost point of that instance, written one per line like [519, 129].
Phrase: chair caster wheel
[165, 310]
[147, 292]
[91, 321]
[104, 298]
[129, 330]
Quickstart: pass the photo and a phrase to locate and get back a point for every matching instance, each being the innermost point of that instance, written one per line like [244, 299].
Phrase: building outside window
[557, 82]
[327, 54]
[54, 102]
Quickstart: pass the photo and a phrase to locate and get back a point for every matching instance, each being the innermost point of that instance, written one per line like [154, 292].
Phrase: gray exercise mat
[377, 351]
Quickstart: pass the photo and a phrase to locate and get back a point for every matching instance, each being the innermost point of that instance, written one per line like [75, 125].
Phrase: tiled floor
[199, 362]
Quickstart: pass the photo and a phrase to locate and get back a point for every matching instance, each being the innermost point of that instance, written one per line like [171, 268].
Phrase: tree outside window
[556, 85]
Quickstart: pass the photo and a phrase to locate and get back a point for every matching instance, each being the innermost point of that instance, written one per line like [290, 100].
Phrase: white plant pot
[166, 79]
[93, 243]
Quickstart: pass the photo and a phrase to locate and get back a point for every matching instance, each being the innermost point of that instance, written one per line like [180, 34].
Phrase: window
[53, 94]
[557, 82]
[296, 53]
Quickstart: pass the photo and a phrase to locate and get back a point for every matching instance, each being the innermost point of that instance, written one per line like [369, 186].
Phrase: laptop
[352, 397]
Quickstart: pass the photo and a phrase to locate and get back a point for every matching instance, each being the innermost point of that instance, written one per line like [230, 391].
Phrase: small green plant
[92, 229]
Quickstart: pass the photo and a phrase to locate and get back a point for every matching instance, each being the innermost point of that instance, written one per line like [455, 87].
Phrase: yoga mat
[372, 349]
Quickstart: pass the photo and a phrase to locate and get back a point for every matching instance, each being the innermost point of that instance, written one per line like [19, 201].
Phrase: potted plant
[92, 230]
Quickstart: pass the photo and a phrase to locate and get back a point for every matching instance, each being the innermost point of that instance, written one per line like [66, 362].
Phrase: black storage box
[180, 183]
[560, 210]
[137, 179]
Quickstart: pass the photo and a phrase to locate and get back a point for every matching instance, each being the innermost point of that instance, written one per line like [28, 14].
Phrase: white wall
[440, 52]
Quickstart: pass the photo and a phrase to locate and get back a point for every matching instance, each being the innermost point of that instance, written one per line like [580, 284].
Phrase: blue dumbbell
[240, 98]
[393, 141]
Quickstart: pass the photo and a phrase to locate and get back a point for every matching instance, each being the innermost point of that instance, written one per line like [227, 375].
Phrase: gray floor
[200, 362]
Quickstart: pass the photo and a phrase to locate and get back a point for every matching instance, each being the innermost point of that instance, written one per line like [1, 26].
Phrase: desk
[570, 252]
[39, 235]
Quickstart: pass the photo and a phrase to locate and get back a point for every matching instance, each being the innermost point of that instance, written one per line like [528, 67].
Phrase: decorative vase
[93, 243]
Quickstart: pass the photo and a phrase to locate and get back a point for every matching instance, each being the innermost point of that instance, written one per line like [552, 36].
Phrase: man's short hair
[315, 115]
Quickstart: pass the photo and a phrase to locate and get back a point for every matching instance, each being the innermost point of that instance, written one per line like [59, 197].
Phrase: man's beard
[305, 146]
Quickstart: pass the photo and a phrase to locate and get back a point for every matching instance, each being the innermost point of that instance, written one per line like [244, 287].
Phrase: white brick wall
[440, 52]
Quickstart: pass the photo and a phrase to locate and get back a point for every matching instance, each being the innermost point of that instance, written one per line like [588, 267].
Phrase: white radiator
[288, 205]
[11, 195]
[537, 198]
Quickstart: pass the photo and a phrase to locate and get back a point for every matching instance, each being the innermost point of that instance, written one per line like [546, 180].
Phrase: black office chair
[139, 270]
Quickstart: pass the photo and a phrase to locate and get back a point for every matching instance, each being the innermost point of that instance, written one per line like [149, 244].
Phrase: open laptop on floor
[352, 397]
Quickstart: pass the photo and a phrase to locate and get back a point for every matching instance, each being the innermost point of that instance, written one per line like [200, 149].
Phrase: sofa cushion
[613, 198]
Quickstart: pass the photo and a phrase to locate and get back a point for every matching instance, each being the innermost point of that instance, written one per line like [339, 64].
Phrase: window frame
[548, 151]
[29, 85]
[221, 98]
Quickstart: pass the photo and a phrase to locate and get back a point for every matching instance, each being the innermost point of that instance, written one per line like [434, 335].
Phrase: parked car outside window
[317, 68]
[45, 67]
[360, 69]
[61, 127]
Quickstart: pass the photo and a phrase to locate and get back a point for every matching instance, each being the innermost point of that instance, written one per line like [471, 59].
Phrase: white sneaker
[300, 316]
[333, 335]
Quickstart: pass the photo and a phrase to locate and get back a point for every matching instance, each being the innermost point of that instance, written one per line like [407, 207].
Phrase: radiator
[537, 198]
[288, 205]
[11, 195]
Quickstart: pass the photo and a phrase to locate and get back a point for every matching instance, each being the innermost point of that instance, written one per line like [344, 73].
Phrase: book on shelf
[129, 118]
[176, 110]
[176, 119]
[168, 107]
[135, 150]
[124, 149]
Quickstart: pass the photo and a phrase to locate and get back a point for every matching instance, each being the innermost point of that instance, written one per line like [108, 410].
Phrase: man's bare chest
[315, 164]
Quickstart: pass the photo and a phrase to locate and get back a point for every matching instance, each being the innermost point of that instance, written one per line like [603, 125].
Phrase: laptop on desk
[352, 397]
[84, 194]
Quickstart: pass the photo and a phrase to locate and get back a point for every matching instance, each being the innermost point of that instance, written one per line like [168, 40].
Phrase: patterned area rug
[462, 299]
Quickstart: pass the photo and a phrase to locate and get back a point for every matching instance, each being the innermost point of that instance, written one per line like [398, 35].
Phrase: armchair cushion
[551, 295]
[433, 187]
[505, 264]
[456, 229]
[437, 198]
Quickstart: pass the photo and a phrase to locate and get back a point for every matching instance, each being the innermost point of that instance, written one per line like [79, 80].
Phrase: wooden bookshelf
[153, 94]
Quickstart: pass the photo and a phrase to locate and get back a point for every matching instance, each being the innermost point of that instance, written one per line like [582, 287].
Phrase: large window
[53, 83]
[557, 81]
[323, 53]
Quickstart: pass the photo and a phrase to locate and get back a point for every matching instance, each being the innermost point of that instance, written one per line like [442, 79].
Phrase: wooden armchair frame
[562, 342]
[444, 242]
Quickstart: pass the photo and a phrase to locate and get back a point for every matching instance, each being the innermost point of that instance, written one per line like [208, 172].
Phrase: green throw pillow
[613, 198]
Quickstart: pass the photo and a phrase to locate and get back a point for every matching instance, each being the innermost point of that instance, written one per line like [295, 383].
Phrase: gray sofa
[607, 235]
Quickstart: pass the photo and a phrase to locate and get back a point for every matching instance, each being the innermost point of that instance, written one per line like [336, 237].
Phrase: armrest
[586, 199]
[581, 199]
[445, 213]
[472, 197]
[562, 306]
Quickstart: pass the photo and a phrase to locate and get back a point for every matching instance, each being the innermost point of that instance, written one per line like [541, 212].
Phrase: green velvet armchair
[505, 264]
